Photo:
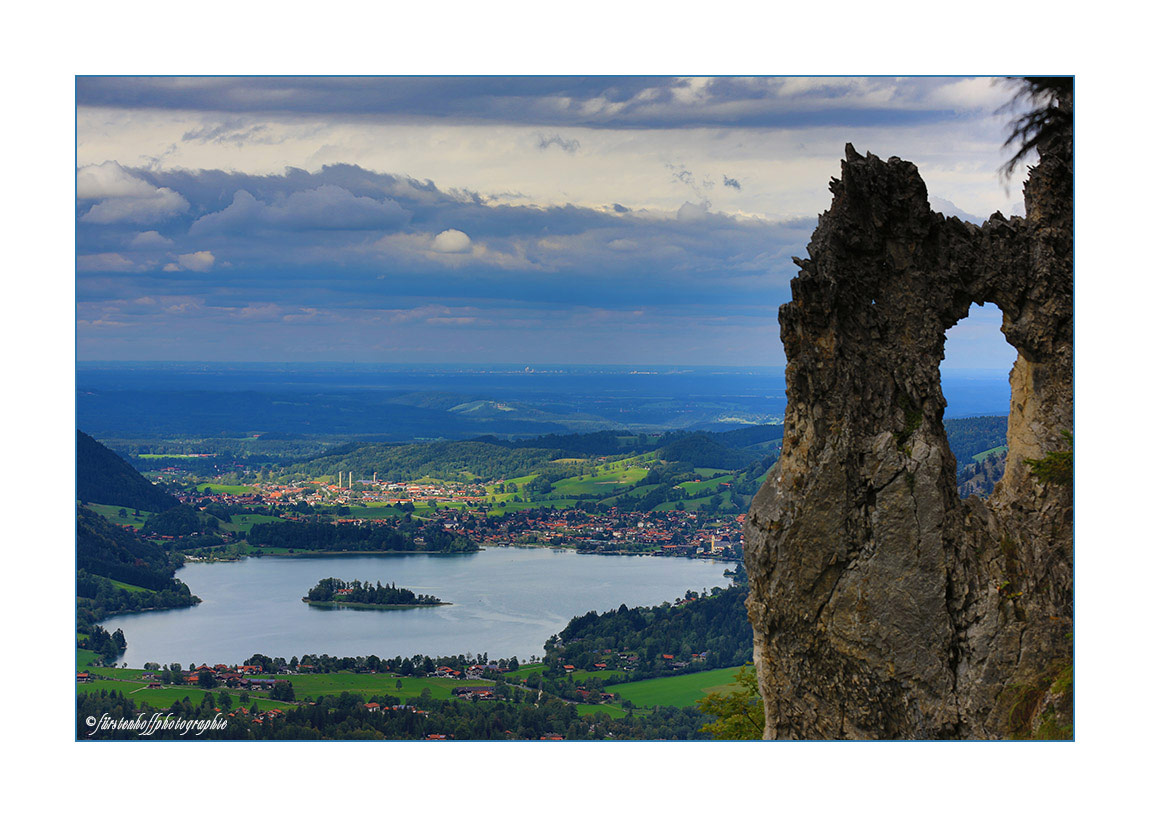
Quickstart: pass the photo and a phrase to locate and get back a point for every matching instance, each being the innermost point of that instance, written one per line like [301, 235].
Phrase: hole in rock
[976, 383]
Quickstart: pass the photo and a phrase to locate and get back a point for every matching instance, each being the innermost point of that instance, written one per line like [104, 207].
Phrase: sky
[500, 219]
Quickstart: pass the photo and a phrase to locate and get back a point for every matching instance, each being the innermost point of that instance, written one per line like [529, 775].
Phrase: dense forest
[117, 571]
[703, 450]
[182, 520]
[407, 536]
[488, 458]
[104, 478]
[357, 592]
[466, 461]
[710, 628]
[972, 435]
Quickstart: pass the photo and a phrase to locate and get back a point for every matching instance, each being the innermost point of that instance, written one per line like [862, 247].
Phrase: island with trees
[333, 592]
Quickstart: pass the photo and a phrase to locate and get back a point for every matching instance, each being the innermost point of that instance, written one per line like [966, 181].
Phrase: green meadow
[112, 514]
[220, 488]
[981, 455]
[165, 697]
[172, 456]
[676, 690]
[242, 522]
[368, 684]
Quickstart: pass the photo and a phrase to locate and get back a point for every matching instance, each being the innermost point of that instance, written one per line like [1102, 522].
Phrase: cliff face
[883, 605]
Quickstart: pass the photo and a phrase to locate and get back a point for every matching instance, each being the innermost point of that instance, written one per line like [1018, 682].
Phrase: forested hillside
[108, 557]
[714, 626]
[104, 478]
[438, 460]
[407, 536]
[972, 435]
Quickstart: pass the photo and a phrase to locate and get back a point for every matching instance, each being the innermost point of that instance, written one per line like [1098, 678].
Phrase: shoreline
[360, 605]
[314, 553]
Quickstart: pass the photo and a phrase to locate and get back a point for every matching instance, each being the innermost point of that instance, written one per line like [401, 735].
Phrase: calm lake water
[504, 602]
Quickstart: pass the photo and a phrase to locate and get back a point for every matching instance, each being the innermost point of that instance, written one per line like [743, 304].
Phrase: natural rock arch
[883, 605]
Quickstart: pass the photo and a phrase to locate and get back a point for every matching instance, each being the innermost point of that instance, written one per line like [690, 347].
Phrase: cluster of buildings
[671, 533]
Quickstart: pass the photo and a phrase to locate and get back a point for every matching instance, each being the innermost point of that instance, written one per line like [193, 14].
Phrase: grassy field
[132, 684]
[981, 455]
[524, 671]
[604, 483]
[511, 507]
[129, 587]
[680, 690]
[112, 514]
[84, 659]
[165, 697]
[242, 522]
[382, 683]
[692, 504]
[707, 485]
[676, 690]
[219, 488]
[174, 456]
[614, 710]
[604, 674]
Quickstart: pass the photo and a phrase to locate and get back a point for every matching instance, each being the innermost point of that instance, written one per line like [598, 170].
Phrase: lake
[504, 602]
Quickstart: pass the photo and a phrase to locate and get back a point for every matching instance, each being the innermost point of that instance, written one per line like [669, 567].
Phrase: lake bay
[504, 602]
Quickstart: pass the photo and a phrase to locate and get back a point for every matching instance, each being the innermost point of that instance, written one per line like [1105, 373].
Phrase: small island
[333, 592]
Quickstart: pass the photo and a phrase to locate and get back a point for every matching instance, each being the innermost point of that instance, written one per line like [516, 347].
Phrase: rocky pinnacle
[883, 605]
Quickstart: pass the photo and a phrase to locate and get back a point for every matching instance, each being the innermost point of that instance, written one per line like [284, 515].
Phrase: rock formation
[883, 605]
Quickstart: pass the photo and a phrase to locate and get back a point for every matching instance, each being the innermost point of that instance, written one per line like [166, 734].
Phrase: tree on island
[357, 592]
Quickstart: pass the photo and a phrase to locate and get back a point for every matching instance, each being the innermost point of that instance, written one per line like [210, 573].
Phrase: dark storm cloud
[513, 98]
[614, 102]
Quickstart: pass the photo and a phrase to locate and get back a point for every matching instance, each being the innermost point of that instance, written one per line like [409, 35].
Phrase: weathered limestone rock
[883, 605]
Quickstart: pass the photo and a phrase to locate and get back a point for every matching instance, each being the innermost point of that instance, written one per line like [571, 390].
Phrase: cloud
[201, 261]
[949, 208]
[109, 180]
[567, 145]
[230, 130]
[975, 93]
[150, 238]
[692, 212]
[124, 196]
[104, 262]
[729, 182]
[452, 241]
[160, 205]
[327, 207]
[596, 102]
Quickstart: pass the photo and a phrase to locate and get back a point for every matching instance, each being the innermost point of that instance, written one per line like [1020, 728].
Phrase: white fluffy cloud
[124, 197]
[201, 261]
[109, 180]
[151, 238]
[452, 241]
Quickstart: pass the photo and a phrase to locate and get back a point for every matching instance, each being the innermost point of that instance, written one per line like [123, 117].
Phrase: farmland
[676, 690]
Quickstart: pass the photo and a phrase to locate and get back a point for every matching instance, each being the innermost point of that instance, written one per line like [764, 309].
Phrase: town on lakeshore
[467, 509]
